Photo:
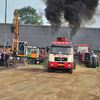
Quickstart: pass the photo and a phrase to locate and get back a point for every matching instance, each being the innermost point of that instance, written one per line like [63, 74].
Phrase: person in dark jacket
[2, 59]
[6, 59]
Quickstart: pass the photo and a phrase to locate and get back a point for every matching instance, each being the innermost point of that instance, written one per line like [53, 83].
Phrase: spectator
[2, 59]
[6, 59]
[29, 52]
[34, 52]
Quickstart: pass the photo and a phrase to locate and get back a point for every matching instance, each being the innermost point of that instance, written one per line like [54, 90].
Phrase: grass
[41, 65]
[97, 68]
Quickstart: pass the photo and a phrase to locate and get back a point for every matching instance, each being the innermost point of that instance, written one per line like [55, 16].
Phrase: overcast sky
[37, 4]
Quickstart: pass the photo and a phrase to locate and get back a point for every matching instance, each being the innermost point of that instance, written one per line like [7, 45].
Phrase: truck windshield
[21, 48]
[32, 51]
[43, 52]
[61, 50]
[82, 48]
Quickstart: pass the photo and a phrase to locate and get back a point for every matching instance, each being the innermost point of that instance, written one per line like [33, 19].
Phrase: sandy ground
[35, 83]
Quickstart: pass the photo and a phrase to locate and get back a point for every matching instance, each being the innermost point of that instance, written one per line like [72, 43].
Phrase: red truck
[60, 56]
[42, 54]
[83, 55]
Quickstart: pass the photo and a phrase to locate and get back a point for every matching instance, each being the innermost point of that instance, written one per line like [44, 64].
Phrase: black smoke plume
[75, 12]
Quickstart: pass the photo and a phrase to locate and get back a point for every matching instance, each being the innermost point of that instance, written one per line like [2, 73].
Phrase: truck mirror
[47, 49]
[89, 47]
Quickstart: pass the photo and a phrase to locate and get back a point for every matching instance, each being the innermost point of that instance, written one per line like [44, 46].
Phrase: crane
[14, 29]
[19, 48]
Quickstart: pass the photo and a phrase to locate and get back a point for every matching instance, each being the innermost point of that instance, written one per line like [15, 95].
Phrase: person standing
[2, 59]
[6, 59]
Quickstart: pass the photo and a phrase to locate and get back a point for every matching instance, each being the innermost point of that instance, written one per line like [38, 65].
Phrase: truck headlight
[11, 58]
[69, 65]
[52, 64]
[18, 58]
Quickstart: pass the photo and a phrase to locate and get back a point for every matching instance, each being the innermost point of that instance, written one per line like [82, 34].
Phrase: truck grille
[87, 56]
[60, 59]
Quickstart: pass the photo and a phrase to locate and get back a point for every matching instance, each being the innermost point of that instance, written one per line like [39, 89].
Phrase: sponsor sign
[41, 11]
[60, 56]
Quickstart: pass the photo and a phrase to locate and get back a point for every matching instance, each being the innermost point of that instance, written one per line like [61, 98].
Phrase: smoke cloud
[75, 12]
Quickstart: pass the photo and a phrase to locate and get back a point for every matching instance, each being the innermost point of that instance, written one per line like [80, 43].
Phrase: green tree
[28, 15]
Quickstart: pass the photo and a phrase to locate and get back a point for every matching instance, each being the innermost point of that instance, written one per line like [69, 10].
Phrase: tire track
[97, 72]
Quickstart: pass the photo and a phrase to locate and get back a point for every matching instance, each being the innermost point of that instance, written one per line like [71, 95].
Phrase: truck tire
[89, 64]
[30, 61]
[70, 71]
[94, 64]
[49, 69]
[77, 58]
[74, 65]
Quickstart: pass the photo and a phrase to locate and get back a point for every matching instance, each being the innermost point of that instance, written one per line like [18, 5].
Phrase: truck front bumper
[64, 65]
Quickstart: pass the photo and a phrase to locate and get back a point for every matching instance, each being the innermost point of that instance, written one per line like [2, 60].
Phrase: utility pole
[5, 24]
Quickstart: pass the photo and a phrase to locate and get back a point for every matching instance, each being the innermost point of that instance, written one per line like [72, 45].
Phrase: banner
[41, 11]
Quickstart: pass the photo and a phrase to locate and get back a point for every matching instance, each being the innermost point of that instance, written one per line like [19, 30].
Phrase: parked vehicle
[42, 54]
[19, 48]
[33, 55]
[83, 54]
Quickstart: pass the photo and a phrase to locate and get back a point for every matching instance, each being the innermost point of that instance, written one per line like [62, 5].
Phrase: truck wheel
[74, 65]
[77, 58]
[30, 61]
[94, 64]
[49, 69]
[70, 71]
[97, 62]
[89, 64]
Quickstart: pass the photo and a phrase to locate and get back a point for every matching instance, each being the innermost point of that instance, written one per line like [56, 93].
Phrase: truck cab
[33, 55]
[22, 48]
[42, 54]
[20, 57]
[83, 51]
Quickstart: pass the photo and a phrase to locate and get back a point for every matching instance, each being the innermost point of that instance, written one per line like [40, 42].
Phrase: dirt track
[34, 83]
